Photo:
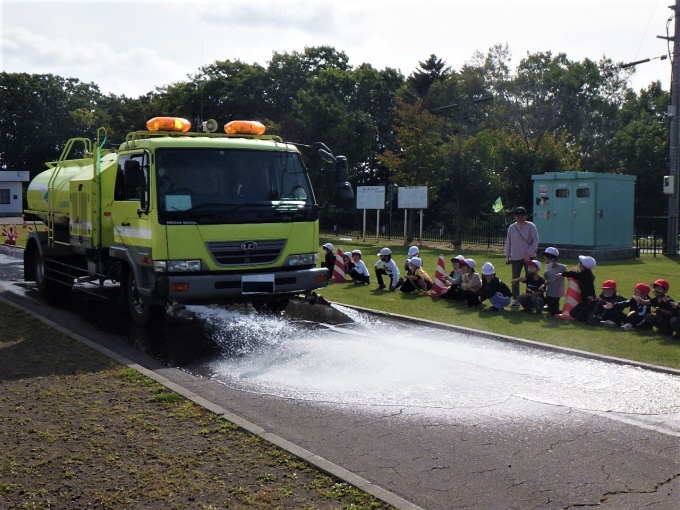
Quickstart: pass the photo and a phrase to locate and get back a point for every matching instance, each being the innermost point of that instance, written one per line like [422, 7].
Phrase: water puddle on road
[372, 362]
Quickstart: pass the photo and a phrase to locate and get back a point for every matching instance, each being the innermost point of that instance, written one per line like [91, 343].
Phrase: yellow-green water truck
[174, 216]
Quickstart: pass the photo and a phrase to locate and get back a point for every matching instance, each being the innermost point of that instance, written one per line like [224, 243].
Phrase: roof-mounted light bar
[168, 124]
[244, 127]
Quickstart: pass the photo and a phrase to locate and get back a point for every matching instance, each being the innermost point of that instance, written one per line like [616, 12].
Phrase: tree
[428, 73]
[641, 147]
[40, 113]
[418, 162]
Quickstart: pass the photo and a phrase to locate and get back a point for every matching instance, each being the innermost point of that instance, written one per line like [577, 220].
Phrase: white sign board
[370, 197]
[412, 197]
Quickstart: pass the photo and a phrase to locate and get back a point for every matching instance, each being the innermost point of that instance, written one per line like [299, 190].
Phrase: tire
[271, 306]
[54, 288]
[141, 312]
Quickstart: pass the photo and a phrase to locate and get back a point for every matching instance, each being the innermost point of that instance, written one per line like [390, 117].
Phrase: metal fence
[477, 233]
[482, 232]
[650, 234]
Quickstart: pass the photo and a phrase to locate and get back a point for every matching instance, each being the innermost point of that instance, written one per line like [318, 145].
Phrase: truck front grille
[246, 253]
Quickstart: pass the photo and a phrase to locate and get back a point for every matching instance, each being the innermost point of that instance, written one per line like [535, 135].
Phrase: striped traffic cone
[439, 286]
[339, 268]
[571, 299]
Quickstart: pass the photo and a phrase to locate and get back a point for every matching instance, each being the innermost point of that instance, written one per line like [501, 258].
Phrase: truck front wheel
[141, 312]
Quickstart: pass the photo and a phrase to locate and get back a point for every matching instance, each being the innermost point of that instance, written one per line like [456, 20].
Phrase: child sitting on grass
[532, 297]
[639, 307]
[663, 308]
[453, 280]
[417, 278]
[471, 283]
[359, 272]
[493, 289]
[608, 310]
[583, 274]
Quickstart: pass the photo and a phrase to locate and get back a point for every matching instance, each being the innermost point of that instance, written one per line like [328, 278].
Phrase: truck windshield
[231, 186]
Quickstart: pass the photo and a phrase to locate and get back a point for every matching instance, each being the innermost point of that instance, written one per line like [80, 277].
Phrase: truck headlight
[303, 259]
[176, 266]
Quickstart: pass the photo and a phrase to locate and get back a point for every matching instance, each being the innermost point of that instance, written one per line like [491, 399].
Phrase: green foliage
[548, 114]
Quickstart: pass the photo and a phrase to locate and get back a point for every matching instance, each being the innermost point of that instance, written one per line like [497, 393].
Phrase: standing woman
[521, 243]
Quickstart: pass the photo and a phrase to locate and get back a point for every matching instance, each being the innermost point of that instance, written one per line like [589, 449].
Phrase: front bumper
[225, 287]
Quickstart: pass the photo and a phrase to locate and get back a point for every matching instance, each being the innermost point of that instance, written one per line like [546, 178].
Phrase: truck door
[129, 227]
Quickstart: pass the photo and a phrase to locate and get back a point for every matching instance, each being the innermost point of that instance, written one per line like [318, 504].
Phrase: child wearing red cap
[663, 307]
[639, 307]
[608, 311]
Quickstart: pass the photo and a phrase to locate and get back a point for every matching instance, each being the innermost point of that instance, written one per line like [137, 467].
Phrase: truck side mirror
[342, 185]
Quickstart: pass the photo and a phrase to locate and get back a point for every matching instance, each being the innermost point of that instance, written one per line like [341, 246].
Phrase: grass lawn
[648, 347]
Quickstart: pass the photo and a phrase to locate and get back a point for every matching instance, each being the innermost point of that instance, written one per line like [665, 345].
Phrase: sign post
[371, 197]
[413, 197]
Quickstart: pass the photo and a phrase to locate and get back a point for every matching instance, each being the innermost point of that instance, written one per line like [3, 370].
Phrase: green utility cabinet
[590, 213]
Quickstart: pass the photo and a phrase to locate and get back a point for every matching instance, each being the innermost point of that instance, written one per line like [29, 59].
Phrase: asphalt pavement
[526, 465]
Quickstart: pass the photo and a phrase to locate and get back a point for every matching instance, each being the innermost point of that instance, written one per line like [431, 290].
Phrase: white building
[11, 196]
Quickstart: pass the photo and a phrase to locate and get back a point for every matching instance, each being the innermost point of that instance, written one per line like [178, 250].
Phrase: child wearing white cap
[417, 279]
[583, 274]
[554, 282]
[470, 283]
[493, 289]
[413, 251]
[386, 267]
[532, 297]
[329, 259]
[359, 272]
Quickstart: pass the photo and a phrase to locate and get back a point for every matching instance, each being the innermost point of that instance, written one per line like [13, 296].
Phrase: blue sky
[132, 47]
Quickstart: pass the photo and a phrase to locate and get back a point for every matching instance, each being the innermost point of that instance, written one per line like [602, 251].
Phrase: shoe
[539, 310]
[380, 287]
[494, 309]
[593, 321]
[515, 303]
[608, 324]
[627, 327]
[359, 282]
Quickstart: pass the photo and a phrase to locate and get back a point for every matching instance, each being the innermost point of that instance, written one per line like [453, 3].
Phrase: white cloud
[133, 47]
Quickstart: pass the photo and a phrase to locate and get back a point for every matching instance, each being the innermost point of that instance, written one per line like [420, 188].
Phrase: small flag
[497, 205]
[4, 231]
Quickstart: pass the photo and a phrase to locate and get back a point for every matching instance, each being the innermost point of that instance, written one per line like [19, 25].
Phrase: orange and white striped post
[439, 286]
[571, 299]
[339, 268]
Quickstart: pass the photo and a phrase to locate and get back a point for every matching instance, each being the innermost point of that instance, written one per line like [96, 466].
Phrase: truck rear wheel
[52, 285]
[141, 312]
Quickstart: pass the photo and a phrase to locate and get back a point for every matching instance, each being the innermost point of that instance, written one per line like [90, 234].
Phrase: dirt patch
[79, 431]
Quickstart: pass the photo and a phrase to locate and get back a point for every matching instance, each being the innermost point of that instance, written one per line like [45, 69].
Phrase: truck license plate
[257, 284]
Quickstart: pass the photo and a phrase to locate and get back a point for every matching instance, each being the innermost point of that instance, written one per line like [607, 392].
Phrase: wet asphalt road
[443, 419]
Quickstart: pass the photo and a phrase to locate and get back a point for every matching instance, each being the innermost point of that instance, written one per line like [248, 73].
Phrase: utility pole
[674, 111]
